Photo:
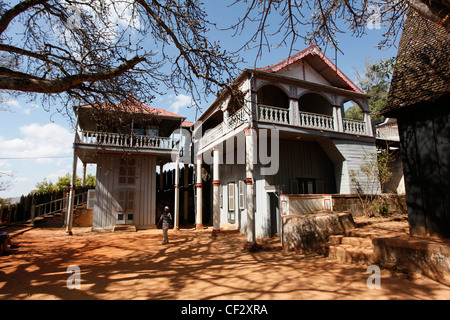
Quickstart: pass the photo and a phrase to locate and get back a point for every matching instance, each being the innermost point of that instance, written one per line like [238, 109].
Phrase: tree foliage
[374, 80]
[46, 186]
[321, 21]
[90, 51]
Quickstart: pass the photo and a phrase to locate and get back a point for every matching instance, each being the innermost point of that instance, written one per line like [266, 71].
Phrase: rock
[308, 232]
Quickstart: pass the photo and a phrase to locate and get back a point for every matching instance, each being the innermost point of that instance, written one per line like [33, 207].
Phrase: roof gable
[313, 63]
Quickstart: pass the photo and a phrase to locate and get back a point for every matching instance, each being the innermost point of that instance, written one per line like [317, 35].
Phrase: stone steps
[350, 249]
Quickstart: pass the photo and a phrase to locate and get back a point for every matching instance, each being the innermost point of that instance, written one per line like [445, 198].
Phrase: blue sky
[36, 144]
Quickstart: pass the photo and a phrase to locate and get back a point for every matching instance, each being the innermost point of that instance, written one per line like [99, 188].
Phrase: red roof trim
[311, 50]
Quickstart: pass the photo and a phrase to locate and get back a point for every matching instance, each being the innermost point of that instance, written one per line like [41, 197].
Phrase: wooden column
[72, 194]
[84, 175]
[250, 137]
[186, 193]
[176, 209]
[199, 190]
[161, 177]
[216, 191]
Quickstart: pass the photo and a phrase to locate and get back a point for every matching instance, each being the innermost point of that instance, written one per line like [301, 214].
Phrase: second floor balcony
[310, 120]
[116, 140]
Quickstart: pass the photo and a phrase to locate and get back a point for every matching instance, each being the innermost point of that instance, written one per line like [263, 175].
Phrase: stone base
[430, 257]
[252, 246]
[199, 226]
[309, 232]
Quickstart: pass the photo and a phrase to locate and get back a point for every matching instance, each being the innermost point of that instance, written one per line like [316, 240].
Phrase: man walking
[165, 219]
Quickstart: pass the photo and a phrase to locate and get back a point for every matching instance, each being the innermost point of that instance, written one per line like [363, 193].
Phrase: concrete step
[345, 253]
[124, 228]
[361, 234]
[357, 242]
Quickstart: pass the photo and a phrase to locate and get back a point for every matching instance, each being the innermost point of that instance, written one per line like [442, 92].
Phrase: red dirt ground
[193, 266]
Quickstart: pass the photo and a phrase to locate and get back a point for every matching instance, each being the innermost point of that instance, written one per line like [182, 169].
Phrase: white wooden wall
[107, 186]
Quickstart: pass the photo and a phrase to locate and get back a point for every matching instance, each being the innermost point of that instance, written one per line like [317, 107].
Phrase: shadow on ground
[194, 265]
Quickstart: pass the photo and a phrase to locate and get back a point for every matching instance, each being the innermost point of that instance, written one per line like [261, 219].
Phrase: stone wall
[430, 257]
[307, 232]
[83, 217]
[352, 202]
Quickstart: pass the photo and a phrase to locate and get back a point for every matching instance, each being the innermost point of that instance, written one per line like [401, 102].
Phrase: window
[126, 200]
[127, 171]
[148, 131]
[241, 195]
[306, 186]
[90, 199]
[231, 196]
[231, 202]
[221, 195]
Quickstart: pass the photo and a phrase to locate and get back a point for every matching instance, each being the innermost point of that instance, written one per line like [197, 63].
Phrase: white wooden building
[289, 136]
[127, 143]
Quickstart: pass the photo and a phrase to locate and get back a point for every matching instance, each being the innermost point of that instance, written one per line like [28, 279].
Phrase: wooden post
[72, 194]
[186, 194]
[176, 223]
[199, 190]
[216, 191]
[250, 137]
[161, 177]
[84, 175]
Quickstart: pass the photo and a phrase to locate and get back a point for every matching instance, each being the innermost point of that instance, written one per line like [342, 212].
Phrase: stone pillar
[368, 123]
[294, 112]
[216, 191]
[337, 117]
[250, 139]
[199, 190]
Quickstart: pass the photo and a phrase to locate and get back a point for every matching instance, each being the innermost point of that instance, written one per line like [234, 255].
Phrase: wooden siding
[425, 144]
[299, 159]
[232, 173]
[354, 153]
[106, 205]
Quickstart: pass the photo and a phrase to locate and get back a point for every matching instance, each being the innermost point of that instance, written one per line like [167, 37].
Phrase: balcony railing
[355, 126]
[125, 140]
[316, 121]
[273, 114]
[388, 133]
[282, 116]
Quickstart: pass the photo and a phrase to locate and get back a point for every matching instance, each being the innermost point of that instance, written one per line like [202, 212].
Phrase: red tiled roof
[186, 123]
[134, 106]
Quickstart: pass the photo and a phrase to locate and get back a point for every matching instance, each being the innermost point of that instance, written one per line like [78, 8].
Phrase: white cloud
[181, 101]
[40, 142]
[15, 105]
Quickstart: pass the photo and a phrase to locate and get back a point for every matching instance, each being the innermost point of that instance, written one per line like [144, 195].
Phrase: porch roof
[132, 105]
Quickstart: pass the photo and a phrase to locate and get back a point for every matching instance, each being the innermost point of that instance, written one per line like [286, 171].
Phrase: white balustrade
[212, 134]
[237, 119]
[316, 121]
[388, 133]
[355, 126]
[125, 140]
[273, 114]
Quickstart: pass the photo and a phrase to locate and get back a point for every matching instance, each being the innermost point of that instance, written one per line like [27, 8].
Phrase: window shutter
[90, 199]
